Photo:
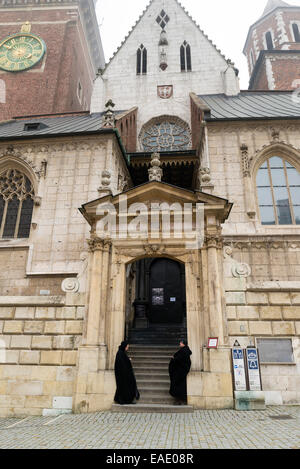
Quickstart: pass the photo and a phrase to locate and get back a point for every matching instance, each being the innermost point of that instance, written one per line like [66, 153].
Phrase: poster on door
[253, 369]
[239, 372]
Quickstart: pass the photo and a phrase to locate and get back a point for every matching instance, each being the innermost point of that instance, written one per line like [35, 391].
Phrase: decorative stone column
[116, 327]
[97, 296]
[193, 309]
[215, 289]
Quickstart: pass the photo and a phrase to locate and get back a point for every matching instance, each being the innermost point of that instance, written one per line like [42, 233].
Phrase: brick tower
[50, 51]
[273, 48]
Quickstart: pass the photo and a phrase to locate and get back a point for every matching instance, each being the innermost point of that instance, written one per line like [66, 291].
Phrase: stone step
[150, 360]
[152, 391]
[151, 353]
[154, 375]
[156, 399]
[152, 408]
[145, 382]
[156, 349]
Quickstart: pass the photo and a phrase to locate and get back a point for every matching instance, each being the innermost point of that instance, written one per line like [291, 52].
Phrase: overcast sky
[226, 23]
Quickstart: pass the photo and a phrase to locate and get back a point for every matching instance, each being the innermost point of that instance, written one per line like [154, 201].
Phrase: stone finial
[109, 115]
[205, 175]
[155, 172]
[106, 177]
[105, 188]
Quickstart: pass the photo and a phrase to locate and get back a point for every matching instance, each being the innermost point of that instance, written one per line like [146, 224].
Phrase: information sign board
[239, 372]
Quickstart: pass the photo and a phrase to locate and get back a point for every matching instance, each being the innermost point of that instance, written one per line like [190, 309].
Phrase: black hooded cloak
[126, 384]
[179, 368]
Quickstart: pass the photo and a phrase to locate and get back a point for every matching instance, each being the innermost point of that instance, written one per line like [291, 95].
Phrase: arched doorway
[166, 302]
[156, 301]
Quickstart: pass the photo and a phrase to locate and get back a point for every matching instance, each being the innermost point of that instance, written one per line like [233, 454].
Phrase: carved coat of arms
[165, 92]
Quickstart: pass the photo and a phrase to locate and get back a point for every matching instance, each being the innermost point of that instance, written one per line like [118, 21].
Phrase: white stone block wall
[119, 82]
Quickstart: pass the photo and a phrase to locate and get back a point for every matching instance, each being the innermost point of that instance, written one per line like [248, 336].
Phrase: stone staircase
[159, 334]
[151, 368]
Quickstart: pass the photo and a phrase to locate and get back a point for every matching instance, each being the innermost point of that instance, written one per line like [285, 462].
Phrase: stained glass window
[278, 189]
[166, 135]
[16, 204]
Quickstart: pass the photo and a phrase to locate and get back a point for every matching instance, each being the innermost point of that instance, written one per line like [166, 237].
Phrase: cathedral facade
[170, 209]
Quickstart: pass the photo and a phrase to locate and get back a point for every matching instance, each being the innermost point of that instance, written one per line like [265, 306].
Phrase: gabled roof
[251, 105]
[153, 191]
[144, 13]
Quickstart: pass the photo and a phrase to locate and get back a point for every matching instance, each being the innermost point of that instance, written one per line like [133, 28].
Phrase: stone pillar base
[249, 400]
[212, 388]
[95, 388]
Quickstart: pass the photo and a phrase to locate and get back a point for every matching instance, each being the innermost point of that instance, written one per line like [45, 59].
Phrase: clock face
[21, 52]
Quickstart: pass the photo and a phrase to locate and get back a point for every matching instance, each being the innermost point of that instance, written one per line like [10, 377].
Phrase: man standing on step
[127, 391]
[179, 368]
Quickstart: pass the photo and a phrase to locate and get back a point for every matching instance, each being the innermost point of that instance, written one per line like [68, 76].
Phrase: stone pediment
[155, 192]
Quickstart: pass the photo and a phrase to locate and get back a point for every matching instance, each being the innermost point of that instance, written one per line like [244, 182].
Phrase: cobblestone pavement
[277, 427]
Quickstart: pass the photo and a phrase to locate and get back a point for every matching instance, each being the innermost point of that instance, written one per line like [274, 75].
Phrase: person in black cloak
[179, 368]
[127, 391]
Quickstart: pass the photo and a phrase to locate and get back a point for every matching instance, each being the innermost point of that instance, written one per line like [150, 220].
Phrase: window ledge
[277, 363]
[11, 243]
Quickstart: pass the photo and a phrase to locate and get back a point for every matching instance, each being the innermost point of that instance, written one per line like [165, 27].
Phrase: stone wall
[39, 340]
[267, 310]
[65, 173]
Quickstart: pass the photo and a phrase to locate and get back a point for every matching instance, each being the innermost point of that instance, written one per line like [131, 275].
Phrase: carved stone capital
[99, 244]
[213, 241]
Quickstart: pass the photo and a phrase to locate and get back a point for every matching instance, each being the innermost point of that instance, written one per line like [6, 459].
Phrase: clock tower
[50, 52]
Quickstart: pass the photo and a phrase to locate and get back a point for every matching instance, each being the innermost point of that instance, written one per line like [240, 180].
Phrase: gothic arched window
[165, 134]
[296, 32]
[141, 60]
[278, 190]
[269, 41]
[16, 204]
[185, 57]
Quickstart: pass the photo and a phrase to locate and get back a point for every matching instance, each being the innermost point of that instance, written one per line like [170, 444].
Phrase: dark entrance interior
[156, 303]
[166, 295]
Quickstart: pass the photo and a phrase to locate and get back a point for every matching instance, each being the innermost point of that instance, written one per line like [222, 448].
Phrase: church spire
[272, 4]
